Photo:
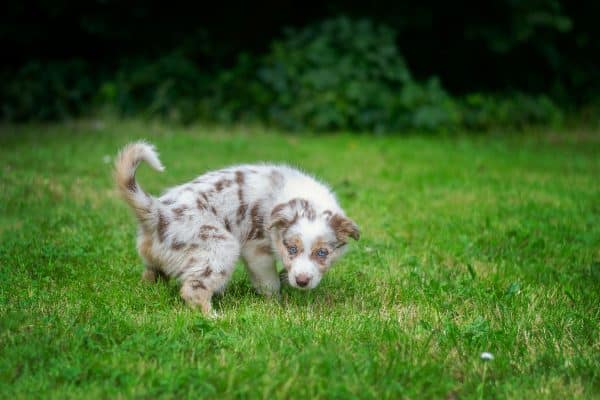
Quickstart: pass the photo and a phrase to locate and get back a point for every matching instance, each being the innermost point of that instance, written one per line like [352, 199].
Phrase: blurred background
[387, 66]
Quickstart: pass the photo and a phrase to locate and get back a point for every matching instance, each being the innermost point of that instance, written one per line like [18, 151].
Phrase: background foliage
[386, 67]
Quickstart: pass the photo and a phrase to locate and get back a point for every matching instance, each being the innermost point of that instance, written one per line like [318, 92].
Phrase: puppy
[195, 232]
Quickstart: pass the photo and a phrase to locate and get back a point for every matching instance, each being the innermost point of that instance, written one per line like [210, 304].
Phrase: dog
[196, 232]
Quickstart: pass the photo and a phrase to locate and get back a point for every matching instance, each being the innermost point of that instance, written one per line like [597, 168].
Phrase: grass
[469, 244]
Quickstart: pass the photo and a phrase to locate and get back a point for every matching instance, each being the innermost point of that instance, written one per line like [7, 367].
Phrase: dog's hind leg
[152, 271]
[208, 269]
[151, 274]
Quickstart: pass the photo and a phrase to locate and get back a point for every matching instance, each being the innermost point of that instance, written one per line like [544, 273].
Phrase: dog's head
[308, 242]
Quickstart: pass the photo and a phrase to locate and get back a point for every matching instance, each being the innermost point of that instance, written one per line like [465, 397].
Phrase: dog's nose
[302, 280]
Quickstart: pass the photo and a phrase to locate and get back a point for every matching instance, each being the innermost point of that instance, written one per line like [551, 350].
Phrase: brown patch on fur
[213, 210]
[145, 250]
[131, 185]
[145, 247]
[277, 209]
[263, 249]
[223, 183]
[344, 227]
[279, 217]
[201, 205]
[205, 233]
[161, 227]
[178, 211]
[223, 272]
[209, 232]
[298, 207]
[145, 217]
[239, 177]
[328, 213]
[204, 196]
[206, 273]
[177, 245]
[168, 202]
[241, 212]
[193, 246]
[197, 284]
[257, 221]
[227, 225]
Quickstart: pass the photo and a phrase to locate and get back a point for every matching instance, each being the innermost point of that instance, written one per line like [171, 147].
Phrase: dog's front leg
[260, 264]
[197, 295]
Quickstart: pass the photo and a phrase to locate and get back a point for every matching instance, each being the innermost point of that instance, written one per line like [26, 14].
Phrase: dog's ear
[344, 227]
[282, 216]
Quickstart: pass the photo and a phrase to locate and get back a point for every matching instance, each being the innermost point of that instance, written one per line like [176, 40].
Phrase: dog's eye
[292, 250]
[322, 252]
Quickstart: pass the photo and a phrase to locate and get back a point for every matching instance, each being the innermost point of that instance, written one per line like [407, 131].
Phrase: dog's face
[309, 243]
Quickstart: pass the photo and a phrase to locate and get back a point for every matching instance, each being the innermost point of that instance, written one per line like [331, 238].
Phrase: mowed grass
[469, 244]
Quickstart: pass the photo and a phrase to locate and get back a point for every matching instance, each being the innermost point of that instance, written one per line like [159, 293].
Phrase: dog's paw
[149, 276]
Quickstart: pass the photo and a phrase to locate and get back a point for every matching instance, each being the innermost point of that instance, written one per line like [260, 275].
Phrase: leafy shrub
[337, 74]
[428, 107]
[237, 94]
[170, 87]
[334, 75]
[46, 91]
[482, 112]
[347, 74]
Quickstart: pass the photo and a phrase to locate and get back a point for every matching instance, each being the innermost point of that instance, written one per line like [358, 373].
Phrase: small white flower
[369, 249]
[106, 159]
[485, 356]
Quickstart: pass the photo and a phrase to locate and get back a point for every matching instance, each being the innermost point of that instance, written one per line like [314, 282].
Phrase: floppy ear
[282, 216]
[344, 227]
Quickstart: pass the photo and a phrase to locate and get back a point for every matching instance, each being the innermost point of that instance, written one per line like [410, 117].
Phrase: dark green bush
[518, 110]
[347, 74]
[237, 94]
[339, 74]
[48, 91]
[170, 87]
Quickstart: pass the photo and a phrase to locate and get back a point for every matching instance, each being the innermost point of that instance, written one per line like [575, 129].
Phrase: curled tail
[126, 164]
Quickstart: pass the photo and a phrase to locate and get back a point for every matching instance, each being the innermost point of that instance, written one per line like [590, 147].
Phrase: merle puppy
[195, 232]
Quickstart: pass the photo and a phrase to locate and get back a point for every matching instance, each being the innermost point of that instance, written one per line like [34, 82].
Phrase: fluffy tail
[125, 166]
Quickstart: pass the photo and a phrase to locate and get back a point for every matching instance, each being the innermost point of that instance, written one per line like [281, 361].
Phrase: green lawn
[469, 244]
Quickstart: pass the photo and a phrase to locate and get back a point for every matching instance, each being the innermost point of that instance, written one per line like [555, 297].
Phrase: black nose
[302, 280]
